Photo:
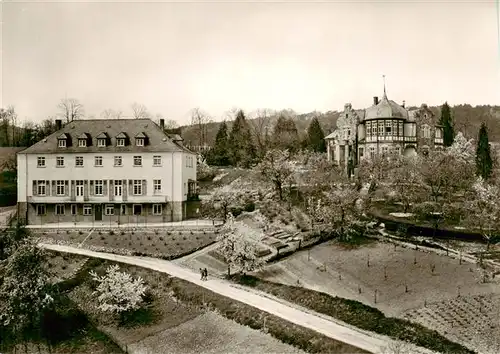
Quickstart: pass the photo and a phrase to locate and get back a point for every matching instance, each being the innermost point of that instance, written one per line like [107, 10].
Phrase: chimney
[58, 124]
[375, 100]
[162, 124]
[404, 103]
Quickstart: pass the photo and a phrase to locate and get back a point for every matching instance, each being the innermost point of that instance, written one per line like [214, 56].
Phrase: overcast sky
[307, 56]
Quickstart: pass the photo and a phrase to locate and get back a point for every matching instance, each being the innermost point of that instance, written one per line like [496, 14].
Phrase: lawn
[395, 280]
[357, 314]
[63, 266]
[155, 243]
[185, 318]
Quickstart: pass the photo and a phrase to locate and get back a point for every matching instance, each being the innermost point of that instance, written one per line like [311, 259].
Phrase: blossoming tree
[239, 250]
[484, 209]
[118, 291]
[25, 290]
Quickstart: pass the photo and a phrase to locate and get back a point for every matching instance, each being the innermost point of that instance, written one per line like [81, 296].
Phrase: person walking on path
[205, 273]
[202, 272]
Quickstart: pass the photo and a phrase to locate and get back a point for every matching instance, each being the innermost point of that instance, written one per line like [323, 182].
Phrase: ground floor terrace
[106, 213]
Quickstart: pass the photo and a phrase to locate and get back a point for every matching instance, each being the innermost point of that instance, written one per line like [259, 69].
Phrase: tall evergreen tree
[447, 123]
[242, 151]
[285, 134]
[484, 163]
[219, 154]
[315, 137]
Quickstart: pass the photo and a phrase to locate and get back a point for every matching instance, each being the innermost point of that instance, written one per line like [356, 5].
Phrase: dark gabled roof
[102, 135]
[141, 135]
[83, 136]
[158, 140]
[63, 136]
[122, 135]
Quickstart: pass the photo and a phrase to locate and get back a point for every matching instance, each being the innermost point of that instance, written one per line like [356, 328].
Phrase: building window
[372, 152]
[120, 142]
[156, 160]
[73, 209]
[426, 131]
[60, 161]
[82, 143]
[40, 162]
[79, 161]
[361, 151]
[98, 161]
[137, 187]
[118, 188]
[87, 210]
[109, 210]
[101, 142]
[139, 142]
[41, 188]
[123, 209]
[40, 209]
[384, 150]
[61, 143]
[157, 185]
[381, 128]
[438, 133]
[388, 129]
[118, 160]
[79, 188]
[137, 209]
[137, 160]
[401, 131]
[368, 128]
[374, 128]
[398, 150]
[60, 188]
[157, 209]
[59, 209]
[98, 187]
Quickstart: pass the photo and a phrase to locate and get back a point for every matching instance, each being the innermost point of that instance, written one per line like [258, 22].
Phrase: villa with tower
[385, 128]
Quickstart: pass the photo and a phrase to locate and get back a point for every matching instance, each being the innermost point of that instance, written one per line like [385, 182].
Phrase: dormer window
[120, 142]
[82, 143]
[63, 140]
[140, 139]
[102, 139]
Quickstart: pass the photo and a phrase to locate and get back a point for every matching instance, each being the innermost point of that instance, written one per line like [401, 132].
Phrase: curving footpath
[309, 319]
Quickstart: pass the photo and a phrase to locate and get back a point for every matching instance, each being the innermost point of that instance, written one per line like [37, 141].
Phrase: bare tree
[70, 109]
[139, 111]
[111, 114]
[199, 121]
[261, 129]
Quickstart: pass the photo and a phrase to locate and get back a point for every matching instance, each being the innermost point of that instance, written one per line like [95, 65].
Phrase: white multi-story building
[106, 170]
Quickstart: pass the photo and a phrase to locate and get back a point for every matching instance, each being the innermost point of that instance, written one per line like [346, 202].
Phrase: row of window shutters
[89, 187]
[109, 209]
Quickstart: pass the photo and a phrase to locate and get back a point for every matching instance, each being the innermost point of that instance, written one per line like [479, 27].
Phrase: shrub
[149, 238]
[111, 232]
[122, 233]
[80, 232]
[118, 291]
[161, 238]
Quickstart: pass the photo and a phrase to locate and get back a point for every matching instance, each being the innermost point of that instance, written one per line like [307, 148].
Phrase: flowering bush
[25, 290]
[118, 291]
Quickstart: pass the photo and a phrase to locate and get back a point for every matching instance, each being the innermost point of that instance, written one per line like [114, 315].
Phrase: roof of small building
[386, 109]
[159, 141]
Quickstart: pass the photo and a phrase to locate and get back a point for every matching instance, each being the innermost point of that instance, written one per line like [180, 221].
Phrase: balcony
[411, 139]
[99, 199]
